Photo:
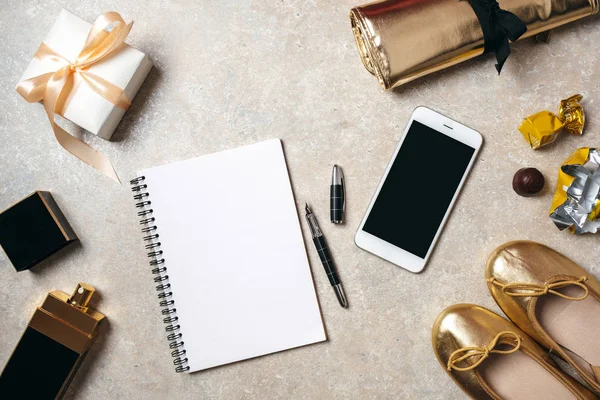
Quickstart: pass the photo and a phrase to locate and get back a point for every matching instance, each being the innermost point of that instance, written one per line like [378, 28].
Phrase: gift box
[402, 40]
[125, 68]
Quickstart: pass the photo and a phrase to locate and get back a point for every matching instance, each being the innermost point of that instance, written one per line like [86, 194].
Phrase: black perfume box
[33, 229]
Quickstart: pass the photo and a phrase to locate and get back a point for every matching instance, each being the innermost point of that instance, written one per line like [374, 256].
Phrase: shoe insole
[517, 376]
[574, 325]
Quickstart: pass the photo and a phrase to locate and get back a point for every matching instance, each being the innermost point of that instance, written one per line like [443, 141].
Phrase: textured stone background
[230, 73]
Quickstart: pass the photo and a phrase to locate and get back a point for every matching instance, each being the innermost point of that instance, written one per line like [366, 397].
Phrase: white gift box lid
[126, 67]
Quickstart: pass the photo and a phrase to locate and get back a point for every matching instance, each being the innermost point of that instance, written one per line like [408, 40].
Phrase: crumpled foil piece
[576, 203]
[543, 128]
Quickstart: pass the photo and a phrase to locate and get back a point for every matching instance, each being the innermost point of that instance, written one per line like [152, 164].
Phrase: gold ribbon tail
[85, 153]
[53, 97]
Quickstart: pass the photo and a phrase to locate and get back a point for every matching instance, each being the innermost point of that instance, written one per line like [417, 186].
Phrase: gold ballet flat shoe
[552, 299]
[488, 357]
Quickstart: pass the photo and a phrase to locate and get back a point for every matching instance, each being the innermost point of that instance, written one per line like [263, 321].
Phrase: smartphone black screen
[418, 189]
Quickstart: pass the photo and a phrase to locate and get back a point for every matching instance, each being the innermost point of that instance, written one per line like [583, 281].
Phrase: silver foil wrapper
[580, 211]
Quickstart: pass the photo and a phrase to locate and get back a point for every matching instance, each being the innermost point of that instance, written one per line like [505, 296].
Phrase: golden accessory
[543, 128]
[56, 88]
[533, 290]
[544, 270]
[53, 346]
[81, 296]
[464, 335]
[68, 319]
[397, 46]
[505, 337]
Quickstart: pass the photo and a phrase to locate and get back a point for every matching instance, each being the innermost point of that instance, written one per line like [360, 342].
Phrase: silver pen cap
[337, 192]
[337, 176]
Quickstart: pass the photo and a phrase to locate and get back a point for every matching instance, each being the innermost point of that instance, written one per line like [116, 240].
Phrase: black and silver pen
[325, 256]
[337, 196]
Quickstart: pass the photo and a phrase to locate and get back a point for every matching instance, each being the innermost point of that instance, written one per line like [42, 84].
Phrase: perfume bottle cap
[82, 295]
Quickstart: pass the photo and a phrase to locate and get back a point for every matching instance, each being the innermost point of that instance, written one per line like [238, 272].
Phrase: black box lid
[33, 229]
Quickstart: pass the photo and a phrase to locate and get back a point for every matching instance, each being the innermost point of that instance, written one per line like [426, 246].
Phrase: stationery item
[576, 203]
[53, 346]
[226, 248]
[325, 256]
[94, 76]
[337, 193]
[543, 128]
[33, 229]
[402, 40]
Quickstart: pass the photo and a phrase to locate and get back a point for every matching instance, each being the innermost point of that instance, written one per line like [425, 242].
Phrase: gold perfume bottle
[57, 339]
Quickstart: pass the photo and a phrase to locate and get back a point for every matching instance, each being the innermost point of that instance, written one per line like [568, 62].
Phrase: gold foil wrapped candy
[576, 203]
[543, 128]
[402, 40]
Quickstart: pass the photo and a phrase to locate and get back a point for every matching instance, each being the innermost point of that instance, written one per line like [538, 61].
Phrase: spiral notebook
[227, 253]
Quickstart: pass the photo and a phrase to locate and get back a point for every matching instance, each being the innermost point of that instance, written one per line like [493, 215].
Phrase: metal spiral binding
[157, 263]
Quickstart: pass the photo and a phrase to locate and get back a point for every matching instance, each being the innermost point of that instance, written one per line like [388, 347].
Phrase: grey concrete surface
[230, 73]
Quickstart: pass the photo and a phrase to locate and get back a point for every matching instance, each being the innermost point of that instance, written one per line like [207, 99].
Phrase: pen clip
[343, 195]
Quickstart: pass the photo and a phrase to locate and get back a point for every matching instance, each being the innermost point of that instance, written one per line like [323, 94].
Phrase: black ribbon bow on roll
[498, 27]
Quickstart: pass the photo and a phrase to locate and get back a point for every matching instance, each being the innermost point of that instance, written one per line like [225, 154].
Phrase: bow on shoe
[498, 27]
[481, 353]
[533, 290]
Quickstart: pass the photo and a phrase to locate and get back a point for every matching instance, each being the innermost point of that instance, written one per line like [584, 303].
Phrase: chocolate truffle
[528, 181]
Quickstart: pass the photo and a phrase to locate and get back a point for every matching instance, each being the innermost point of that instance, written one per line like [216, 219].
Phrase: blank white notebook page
[234, 254]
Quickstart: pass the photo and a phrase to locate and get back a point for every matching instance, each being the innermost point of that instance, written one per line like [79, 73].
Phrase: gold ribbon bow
[533, 290]
[504, 337]
[57, 88]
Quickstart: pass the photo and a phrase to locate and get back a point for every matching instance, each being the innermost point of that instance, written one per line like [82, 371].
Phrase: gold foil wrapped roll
[576, 203]
[543, 128]
[402, 40]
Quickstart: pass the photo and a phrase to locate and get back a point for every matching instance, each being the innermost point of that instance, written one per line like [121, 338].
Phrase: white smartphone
[418, 189]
